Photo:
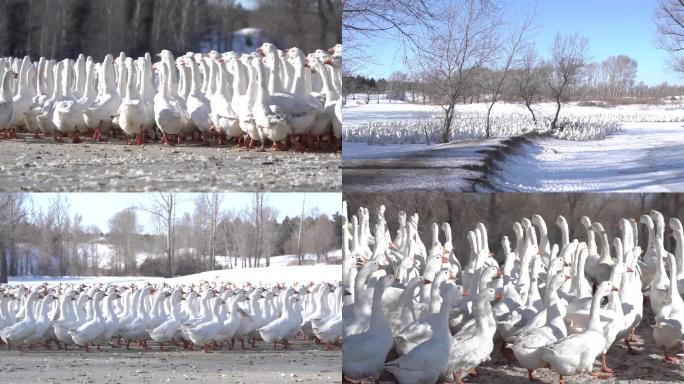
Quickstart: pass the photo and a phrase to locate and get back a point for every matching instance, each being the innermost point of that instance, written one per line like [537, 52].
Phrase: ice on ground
[443, 167]
[360, 151]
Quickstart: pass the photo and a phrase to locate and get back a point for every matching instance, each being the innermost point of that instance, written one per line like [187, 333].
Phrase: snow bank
[255, 276]
[639, 158]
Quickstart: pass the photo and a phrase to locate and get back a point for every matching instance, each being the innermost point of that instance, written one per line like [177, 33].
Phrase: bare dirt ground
[304, 363]
[42, 165]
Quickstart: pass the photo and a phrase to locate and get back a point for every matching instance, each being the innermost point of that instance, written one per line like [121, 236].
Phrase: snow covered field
[266, 275]
[621, 148]
[42, 165]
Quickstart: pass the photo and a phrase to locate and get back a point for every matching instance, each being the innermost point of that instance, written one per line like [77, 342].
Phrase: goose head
[586, 222]
[267, 49]
[604, 288]
[489, 294]
[598, 227]
[296, 57]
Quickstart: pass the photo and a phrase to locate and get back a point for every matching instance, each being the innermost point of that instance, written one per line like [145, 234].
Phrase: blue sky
[98, 208]
[247, 3]
[613, 27]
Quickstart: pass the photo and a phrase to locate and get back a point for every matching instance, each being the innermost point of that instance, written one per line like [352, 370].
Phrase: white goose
[527, 347]
[576, 353]
[19, 332]
[99, 115]
[132, 111]
[165, 331]
[169, 113]
[206, 332]
[90, 330]
[426, 362]
[364, 353]
[471, 347]
[668, 331]
[6, 101]
[285, 327]
[67, 113]
[198, 105]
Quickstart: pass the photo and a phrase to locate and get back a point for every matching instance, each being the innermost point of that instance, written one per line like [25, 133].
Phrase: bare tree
[568, 58]
[123, 228]
[163, 207]
[15, 211]
[300, 256]
[669, 17]
[527, 80]
[59, 212]
[213, 202]
[501, 72]
[456, 51]
[363, 20]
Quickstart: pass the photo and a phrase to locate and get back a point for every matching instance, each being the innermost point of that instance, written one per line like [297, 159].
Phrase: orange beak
[630, 269]
[615, 289]
[499, 273]
[466, 292]
[260, 51]
[426, 281]
[329, 62]
[568, 277]
[445, 251]
[445, 260]
[498, 296]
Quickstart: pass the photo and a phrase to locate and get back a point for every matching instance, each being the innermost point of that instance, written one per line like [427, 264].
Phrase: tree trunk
[3, 264]
[448, 118]
[529, 108]
[488, 122]
[169, 250]
[555, 117]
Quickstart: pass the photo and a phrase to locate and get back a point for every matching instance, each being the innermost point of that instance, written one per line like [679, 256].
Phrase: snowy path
[641, 157]
[443, 167]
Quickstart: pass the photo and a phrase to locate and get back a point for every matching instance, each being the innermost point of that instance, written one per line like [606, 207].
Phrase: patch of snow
[641, 157]
[255, 276]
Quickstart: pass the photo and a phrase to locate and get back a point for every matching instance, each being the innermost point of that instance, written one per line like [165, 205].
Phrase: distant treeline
[65, 28]
[55, 242]
[613, 80]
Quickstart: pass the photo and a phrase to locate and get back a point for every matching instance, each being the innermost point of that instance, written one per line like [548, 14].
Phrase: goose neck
[594, 314]
[274, 71]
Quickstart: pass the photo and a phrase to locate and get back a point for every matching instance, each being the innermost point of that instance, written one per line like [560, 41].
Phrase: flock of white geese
[416, 312]
[207, 315]
[267, 98]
